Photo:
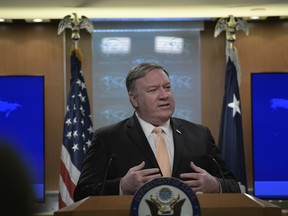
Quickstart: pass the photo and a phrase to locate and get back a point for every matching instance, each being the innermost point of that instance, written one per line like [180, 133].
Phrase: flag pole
[231, 142]
[78, 129]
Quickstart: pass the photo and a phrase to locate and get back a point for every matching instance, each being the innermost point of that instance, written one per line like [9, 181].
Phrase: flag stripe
[65, 194]
[67, 179]
[66, 160]
[61, 202]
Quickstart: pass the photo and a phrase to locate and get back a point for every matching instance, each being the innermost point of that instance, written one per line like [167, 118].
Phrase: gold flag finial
[75, 24]
[231, 25]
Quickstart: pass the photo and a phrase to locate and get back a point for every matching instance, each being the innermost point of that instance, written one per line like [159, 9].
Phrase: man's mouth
[164, 105]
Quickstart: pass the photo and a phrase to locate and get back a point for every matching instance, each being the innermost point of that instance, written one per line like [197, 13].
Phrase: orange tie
[162, 153]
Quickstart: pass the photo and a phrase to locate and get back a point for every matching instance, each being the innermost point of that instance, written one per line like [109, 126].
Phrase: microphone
[112, 156]
[220, 170]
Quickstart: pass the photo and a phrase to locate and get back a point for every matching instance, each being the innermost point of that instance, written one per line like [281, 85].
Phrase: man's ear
[132, 98]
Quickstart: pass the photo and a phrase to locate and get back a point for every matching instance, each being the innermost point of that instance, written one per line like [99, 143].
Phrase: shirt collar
[148, 128]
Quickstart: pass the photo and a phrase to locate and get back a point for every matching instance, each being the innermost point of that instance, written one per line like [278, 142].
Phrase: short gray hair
[139, 71]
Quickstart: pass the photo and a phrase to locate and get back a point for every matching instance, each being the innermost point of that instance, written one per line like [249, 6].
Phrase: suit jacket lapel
[136, 133]
[179, 140]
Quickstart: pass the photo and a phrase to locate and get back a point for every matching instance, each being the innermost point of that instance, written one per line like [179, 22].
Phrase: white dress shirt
[151, 137]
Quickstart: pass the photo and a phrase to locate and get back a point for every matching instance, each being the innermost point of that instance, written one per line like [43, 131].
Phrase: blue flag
[231, 132]
[78, 132]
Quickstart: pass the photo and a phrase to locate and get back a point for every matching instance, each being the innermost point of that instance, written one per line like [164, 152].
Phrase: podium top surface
[211, 204]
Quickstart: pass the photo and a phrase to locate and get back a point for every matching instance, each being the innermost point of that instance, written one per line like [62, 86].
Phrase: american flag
[78, 131]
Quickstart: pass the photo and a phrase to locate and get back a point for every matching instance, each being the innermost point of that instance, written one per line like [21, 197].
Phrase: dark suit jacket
[126, 143]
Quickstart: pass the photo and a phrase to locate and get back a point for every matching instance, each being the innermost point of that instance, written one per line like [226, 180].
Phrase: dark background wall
[37, 49]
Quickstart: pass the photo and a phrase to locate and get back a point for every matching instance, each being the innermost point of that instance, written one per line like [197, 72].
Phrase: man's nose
[163, 93]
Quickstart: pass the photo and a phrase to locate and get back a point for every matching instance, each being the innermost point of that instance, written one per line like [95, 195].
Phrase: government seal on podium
[165, 196]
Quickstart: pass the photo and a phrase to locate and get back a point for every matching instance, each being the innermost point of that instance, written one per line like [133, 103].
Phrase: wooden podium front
[211, 205]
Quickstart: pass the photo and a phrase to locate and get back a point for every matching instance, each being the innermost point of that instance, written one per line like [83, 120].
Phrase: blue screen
[22, 124]
[269, 94]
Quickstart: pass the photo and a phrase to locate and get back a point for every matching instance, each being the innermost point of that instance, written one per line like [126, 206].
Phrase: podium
[211, 205]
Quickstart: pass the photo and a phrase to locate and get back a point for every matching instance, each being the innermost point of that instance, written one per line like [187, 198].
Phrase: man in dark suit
[126, 151]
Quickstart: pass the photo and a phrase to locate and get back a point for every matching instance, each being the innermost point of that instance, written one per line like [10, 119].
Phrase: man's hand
[136, 177]
[201, 181]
